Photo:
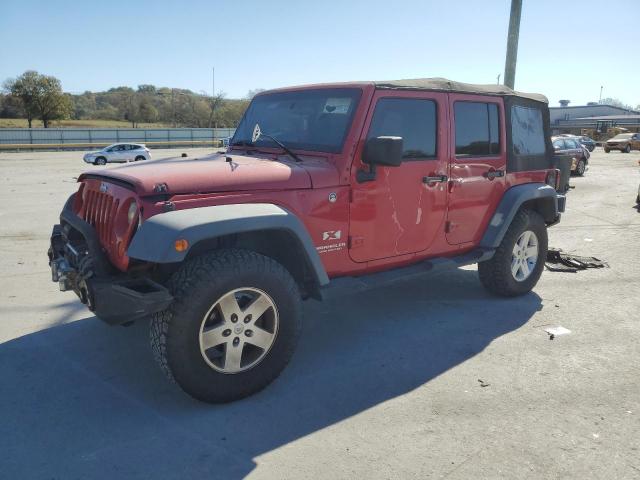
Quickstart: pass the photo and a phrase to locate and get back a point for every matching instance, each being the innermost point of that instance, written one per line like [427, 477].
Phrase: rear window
[477, 129]
[527, 131]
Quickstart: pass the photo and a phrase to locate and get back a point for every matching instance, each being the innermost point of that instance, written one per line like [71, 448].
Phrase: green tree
[11, 107]
[26, 89]
[41, 96]
[147, 112]
[52, 103]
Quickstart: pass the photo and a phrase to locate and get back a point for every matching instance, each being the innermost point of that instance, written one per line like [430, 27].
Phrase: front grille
[99, 210]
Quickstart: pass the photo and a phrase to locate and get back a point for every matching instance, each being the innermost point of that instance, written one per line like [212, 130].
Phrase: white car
[119, 152]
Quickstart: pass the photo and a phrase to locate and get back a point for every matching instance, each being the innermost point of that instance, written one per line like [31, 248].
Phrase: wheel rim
[581, 167]
[525, 256]
[238, 330]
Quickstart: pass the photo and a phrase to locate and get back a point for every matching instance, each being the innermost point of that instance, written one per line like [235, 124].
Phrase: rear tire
[205, 291]
[502, 274]
[627, 149]
[606, 150]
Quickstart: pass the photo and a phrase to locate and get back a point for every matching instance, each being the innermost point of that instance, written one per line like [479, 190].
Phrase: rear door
[477, 165]
[401, 211]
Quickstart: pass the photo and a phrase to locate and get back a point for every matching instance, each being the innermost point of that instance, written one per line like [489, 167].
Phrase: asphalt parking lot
[425, 379]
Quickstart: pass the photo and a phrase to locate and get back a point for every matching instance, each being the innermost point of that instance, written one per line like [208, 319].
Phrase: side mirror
[386, 151]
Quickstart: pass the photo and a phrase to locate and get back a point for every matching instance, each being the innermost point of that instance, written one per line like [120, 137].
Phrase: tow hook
[60, 270]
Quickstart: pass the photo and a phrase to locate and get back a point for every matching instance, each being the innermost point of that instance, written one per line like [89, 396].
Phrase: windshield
[622, 136]
[316, 120]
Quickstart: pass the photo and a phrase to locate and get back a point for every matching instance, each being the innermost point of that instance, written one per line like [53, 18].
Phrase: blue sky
[565, 51]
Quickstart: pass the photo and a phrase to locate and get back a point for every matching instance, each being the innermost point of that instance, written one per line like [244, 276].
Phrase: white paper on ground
[556, 331]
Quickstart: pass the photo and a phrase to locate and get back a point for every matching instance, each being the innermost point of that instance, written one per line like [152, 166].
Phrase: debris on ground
[558, 261]
[556, 331]
[483, 383]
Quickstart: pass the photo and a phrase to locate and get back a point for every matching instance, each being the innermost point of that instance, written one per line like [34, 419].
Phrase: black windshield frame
[316, 103]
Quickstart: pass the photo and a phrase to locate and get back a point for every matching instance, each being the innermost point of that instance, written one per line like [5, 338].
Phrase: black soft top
[444, 85]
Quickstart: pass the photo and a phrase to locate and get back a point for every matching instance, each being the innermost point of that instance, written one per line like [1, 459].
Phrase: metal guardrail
[70, 146]
[93, 137]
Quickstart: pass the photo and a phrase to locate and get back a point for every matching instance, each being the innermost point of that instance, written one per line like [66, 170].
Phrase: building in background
[595, 117]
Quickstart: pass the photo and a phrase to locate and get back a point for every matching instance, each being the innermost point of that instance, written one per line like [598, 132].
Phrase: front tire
[517, 264]
[581, 168]
[139, 158]
[607, 150]
[232, 327]
[627, 149]
[100, 161]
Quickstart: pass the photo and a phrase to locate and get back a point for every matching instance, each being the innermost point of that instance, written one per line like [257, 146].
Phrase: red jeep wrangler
[322, 187]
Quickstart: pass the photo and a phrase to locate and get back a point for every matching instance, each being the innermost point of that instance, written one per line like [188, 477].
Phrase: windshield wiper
[282, 146]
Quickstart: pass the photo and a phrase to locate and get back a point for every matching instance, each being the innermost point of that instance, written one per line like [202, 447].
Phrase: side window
[559, 144]
[527, 132]
[477, 129]
[412, 119]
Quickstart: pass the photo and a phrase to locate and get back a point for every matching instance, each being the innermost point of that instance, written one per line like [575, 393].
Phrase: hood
[212, 173]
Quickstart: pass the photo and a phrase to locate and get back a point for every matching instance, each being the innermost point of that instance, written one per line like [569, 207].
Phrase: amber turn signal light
[181, 245]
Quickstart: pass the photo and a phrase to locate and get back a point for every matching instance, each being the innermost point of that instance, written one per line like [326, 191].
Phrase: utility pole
[600, 99]
[173, 106]
[512, 44]
[498, 79]
[213, 92]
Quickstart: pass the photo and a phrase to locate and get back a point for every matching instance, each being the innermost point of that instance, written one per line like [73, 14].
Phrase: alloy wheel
[524, 256]
[238, 330]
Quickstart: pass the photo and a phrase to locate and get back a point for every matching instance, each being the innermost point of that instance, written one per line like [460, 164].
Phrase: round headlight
[133, 210]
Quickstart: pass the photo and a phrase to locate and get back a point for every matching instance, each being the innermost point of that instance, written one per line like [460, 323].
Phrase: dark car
[587, 142]
[569, 146]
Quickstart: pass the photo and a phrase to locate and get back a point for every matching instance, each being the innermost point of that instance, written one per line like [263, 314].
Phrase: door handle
[435, 179]
[491, 174]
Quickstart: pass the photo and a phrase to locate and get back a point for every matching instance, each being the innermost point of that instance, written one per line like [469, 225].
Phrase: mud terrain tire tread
[495, 273]
[193, 285]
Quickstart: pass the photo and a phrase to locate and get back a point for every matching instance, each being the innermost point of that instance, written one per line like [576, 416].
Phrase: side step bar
[338, 287]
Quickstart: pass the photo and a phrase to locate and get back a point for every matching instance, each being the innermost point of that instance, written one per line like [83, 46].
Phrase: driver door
[399, 211]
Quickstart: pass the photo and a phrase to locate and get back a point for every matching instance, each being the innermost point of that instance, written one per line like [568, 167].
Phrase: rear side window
[559, 144]
[527, 132]
[412, 119]
[477, 129]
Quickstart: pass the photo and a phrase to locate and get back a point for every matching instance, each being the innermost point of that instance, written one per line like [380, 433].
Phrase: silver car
[119, 152]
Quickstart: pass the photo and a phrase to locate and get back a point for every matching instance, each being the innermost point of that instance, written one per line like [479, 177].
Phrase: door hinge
[448, 226]
[355, 241]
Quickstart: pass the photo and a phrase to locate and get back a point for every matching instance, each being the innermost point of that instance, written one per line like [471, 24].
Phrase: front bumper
[78, 263]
